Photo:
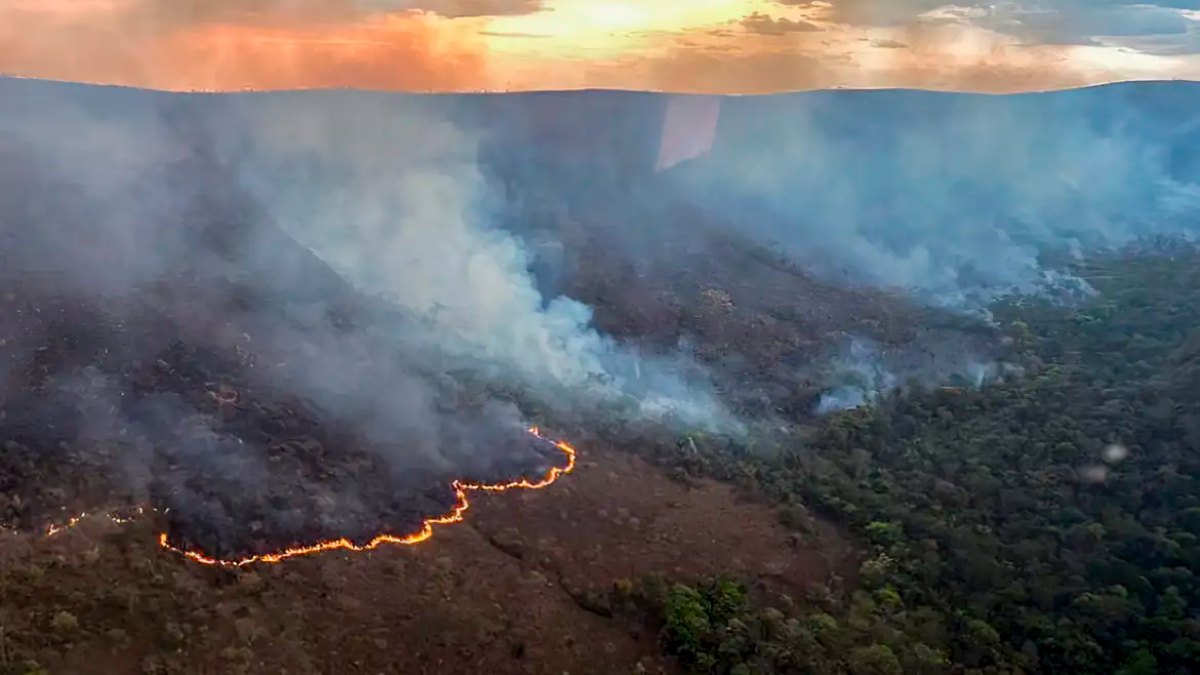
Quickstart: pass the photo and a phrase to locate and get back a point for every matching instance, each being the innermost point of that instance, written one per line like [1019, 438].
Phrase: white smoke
[955, 199]
[863, 371]
[392, 196]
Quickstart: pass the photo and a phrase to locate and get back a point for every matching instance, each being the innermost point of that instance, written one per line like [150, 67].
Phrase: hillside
[269, 320]
[1046, 524]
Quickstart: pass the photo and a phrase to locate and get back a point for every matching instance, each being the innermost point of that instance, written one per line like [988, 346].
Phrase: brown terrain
[506, 591]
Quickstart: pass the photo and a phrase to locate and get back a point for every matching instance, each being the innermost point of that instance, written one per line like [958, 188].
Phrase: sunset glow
[731, 46]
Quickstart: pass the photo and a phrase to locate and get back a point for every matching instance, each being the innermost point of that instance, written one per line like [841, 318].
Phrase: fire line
[456, 515]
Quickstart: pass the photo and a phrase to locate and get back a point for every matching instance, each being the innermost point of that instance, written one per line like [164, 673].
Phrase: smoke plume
[283, 317]
[393, 197]
[955, 198]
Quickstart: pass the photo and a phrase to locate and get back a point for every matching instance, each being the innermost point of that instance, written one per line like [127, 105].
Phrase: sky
[696, 46]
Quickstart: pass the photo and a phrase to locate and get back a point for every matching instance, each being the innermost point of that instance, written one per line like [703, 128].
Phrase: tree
[876, 659]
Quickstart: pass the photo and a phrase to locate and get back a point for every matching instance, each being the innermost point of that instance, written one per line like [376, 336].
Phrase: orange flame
[52, 530]
[56, 528]
[454, 516]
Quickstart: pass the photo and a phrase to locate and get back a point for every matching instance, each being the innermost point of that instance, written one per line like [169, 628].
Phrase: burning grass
[121, 409]
[456, 515]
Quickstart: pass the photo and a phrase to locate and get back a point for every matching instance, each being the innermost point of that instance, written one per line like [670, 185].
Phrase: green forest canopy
[1047, 523]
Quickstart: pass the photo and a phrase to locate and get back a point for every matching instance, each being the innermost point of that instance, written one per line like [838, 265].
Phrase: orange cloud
[237, 44]
[391, 53]
[954, 57]
[946, 60]
[705, 71]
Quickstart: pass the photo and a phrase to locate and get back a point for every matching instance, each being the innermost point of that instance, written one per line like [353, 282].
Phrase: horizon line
[615, 90]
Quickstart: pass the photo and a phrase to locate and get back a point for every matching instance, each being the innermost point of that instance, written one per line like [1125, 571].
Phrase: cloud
[898, 12]
[162, 13]
[459, 8]
[1062, 22]
[948, 56]
[924, 55]
[869, 12]
[229, 44]
[708, 71]
[1086, 25]
[512, 34]
[1003, 47]
[1161, 45]
[764, 24]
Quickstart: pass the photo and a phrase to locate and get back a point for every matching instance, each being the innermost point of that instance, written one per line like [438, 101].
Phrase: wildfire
[58, 528]
[52, 530]
[454, 516]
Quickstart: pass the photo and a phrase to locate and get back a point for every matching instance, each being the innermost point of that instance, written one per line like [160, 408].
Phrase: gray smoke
[954, 198]
[861, 371]
[165, 335]
[392, 196]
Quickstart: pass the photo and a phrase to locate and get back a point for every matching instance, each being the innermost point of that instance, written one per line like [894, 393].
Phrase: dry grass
[506, 592]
